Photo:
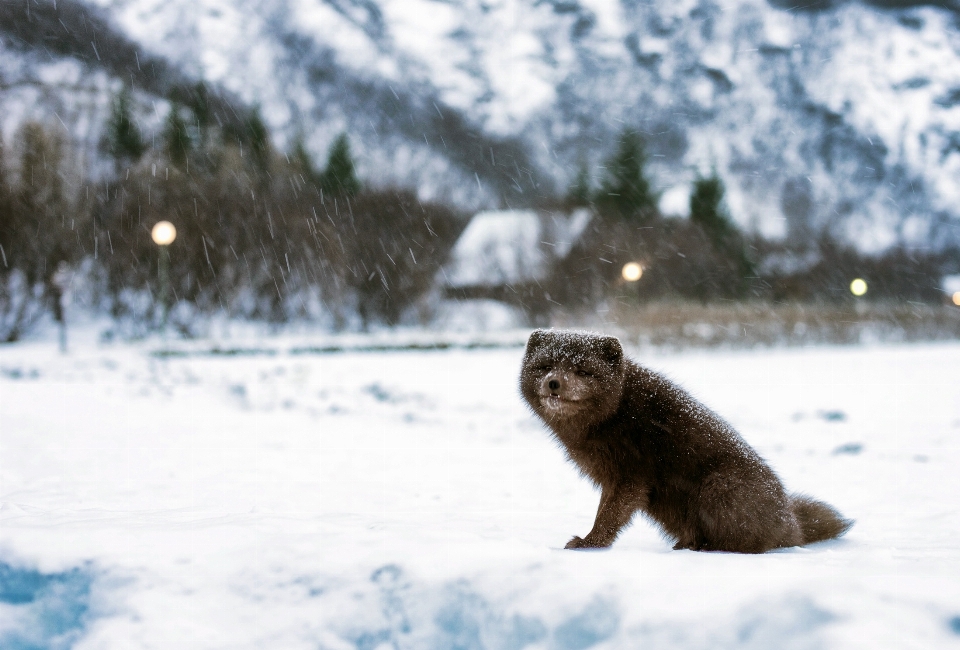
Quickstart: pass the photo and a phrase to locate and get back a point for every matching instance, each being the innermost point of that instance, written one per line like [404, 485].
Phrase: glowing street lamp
[858, 287]
[631, 271]
[956, 298]
[163, 234]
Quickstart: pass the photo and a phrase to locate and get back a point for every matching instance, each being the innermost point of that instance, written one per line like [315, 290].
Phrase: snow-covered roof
[950, 284]
[509, 246]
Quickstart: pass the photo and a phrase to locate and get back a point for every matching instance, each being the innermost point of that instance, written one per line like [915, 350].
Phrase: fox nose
[553, 384]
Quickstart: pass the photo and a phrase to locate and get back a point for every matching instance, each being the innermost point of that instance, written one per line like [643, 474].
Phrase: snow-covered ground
[408, 500]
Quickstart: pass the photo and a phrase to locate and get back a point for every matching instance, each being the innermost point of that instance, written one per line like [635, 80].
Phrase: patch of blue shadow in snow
[598, 622]
[455, 616]
[793, 622]
[43, 611]
[466, 621]
[954, 624]
[461, 618]
[789, 622]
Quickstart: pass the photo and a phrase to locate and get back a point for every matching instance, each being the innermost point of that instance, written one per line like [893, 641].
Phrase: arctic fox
[651, 447]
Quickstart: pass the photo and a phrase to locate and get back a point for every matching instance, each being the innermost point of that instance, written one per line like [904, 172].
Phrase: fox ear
[611, 350]
[537, 338]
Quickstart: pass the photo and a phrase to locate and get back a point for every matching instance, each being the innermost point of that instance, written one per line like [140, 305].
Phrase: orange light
[956, 299]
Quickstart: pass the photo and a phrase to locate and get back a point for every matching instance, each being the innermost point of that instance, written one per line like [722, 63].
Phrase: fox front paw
[578, 542]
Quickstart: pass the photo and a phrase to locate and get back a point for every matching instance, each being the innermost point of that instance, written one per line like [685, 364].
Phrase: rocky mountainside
[834, 116]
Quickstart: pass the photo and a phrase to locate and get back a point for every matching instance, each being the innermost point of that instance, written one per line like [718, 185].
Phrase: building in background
[507, 256]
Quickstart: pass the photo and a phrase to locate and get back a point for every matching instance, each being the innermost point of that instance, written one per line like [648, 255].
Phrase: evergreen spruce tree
[258, 138]
[339, 177]
[625, 189]
[303, 162]
[123, 139]
[176, 137]
[707, 211]
[198, 101]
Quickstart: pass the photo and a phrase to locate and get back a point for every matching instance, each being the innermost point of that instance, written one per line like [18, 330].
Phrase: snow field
[408, 500]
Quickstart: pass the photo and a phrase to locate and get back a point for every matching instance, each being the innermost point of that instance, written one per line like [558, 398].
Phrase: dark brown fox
[651, 447]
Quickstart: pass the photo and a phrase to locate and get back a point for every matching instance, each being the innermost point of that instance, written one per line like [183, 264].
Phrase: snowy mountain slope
[62, 62]
[778, 103]
[839, 116]
[73, 30]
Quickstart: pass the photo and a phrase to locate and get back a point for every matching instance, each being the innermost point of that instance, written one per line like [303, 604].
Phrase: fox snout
[553, 384]
[563, 385]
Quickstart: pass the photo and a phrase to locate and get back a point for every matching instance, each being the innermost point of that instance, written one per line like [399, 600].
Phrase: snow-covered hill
[833, 115]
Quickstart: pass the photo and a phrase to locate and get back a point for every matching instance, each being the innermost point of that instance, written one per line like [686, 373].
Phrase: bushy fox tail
[818, 521]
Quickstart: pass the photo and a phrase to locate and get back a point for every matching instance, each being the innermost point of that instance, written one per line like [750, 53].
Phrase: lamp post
[859, 288]
[61, 282]
[630, 273]
[163, 234]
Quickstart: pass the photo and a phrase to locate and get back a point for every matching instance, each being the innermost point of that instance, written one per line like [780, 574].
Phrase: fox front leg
[617, 507]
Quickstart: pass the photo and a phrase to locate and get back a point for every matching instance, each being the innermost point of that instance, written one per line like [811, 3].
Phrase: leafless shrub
[266, 244]
[394, 246]
[42, 225]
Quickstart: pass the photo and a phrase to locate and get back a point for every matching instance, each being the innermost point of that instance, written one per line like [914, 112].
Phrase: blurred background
[735, 172]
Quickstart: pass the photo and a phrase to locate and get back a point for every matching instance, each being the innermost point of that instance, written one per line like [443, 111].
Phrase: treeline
[269, 235]
[707, 258]
[704, 257]
[261, 234]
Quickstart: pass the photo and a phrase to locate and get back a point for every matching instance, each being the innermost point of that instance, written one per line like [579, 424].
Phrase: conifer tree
[303, 162]
[706, 207]
[251, 134]
[123, 139]
[625, 189]
[340, 177]
[258, 138]
[707, 210]
[176, 137]
[198, 101]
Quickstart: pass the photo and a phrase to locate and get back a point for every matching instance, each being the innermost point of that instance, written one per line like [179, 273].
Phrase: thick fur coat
[651, 447]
